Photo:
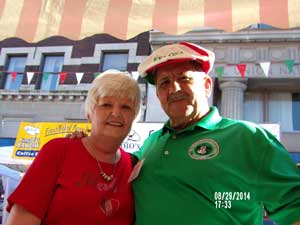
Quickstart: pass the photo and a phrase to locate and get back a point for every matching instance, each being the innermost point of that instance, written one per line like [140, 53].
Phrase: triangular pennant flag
[290, 64]
[29, 76]
[219, 71]
[45, 76]
[62, 77]
[135, 75]
[79, 77]
[242, 69]
[265, 67]
[13, 76]
[96, 75]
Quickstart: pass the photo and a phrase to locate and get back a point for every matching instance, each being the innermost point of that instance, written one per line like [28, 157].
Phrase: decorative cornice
[30, 95]
[216, 36]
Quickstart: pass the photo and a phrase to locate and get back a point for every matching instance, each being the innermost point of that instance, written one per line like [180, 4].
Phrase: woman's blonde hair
[113, 83]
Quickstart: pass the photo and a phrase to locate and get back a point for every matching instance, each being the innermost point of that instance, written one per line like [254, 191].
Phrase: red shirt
[63, 186]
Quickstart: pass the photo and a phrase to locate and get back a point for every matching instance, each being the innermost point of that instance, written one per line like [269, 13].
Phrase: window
[261, 26]
[15, 64]
[116, 61]
[282, 108]
[52, 67]
[296, 111]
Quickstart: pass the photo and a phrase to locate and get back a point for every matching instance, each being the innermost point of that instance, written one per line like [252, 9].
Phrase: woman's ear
[89, 118]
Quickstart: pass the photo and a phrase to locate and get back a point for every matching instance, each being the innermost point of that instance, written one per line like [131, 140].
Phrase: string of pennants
[79, 75]
[62, 75]
[264, 65]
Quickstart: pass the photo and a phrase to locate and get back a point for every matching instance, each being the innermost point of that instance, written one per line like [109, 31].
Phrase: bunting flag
[29, 76]
[45, 76]
[62, 77]
[265, 67]
[135, 75]
[13, 76]
[79, 77]
[219, 71]
[242, 69]
[290, 64]
[96, 74]
[35, 20]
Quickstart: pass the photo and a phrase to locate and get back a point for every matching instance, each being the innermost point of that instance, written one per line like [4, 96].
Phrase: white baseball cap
[175, 53]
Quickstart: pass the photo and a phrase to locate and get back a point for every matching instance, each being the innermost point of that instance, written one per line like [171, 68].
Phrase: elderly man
[201, 168]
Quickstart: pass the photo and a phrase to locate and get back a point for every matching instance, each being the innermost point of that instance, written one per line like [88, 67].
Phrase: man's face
[183, 90]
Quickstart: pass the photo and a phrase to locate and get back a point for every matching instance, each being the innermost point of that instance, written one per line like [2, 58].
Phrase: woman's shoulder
[59, 145]
[62, 141]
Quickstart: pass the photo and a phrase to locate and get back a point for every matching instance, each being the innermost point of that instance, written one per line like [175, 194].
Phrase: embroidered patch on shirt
[203, 149]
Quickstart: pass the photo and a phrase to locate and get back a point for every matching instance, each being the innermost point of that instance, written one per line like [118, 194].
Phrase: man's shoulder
[246, 127]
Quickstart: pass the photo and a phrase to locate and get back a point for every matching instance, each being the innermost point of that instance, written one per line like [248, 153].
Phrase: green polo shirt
[217, 171]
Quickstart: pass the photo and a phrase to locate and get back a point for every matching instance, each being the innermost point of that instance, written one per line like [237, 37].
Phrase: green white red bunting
[13, 76]
[29, 76]
[290, 64]
[135, 75]
[79, 77]
[219, 70]
[265, 67]
[242, 69]
[62, 77]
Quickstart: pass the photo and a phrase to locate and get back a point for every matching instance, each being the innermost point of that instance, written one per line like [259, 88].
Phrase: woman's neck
[103, 149]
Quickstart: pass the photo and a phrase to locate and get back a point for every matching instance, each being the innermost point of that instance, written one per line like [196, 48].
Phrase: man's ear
[208, 86]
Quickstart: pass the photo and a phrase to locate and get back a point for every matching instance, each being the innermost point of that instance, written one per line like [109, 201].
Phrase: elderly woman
[84, 181]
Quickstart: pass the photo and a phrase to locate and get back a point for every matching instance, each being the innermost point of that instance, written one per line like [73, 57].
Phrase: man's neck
[180, 124]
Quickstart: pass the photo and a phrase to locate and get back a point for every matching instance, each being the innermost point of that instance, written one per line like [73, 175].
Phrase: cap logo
[171, 54]
[203, 149]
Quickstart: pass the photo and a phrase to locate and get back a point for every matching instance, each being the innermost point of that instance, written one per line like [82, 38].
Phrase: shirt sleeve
[279, 183]
[38, 185]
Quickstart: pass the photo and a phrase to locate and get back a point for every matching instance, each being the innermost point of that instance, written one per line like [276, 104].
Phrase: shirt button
[166, 152]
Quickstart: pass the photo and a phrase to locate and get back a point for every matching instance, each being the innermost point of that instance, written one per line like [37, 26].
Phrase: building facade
[256, 76]
[48, 80]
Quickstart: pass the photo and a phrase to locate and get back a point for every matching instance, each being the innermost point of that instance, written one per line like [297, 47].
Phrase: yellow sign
[32, 136]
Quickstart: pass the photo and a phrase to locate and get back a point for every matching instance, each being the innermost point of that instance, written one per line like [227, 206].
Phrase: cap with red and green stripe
[176, 53]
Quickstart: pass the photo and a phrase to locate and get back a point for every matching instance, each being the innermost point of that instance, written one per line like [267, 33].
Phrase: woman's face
[112, 117]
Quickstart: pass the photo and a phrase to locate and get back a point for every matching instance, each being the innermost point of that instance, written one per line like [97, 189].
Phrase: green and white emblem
[204, 149]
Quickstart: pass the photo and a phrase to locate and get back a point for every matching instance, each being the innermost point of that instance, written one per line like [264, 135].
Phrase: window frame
[101, 68]
[54, 75]
[266, 108]
[8, 85]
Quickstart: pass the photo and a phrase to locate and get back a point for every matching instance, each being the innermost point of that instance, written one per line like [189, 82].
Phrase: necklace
[106, 177]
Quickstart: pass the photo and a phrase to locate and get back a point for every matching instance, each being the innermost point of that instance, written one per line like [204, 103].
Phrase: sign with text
[32, 136]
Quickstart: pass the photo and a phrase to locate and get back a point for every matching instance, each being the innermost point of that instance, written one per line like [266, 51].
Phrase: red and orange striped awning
[34, 20]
